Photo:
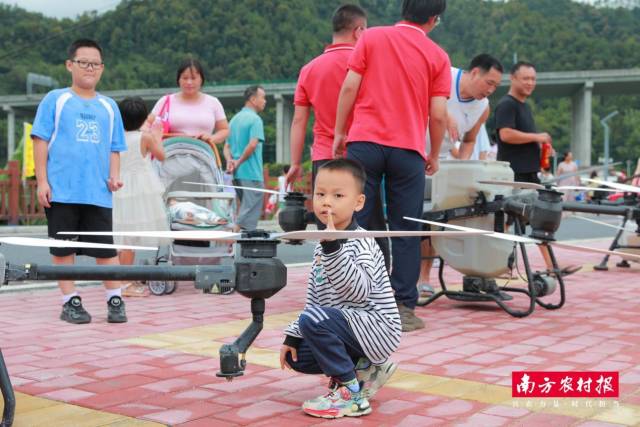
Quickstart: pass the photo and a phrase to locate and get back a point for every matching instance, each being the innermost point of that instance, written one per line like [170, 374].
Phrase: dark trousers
[328, 345]
[404, 188]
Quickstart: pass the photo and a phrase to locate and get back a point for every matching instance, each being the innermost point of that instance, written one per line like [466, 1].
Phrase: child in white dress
[139, 205]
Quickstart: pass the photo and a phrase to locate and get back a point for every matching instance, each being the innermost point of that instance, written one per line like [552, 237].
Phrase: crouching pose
[350, 324]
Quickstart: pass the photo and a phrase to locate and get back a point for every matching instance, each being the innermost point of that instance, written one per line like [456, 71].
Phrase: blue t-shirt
[245, 126]
[82, 134]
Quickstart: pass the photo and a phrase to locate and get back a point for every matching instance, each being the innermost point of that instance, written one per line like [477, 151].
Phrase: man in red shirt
[318, 88]
[398, 82]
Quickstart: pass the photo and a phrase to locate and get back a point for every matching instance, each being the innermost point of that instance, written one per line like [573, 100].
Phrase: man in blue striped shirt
[350, 324]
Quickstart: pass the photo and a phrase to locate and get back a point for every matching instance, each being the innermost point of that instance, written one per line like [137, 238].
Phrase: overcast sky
[63, 8]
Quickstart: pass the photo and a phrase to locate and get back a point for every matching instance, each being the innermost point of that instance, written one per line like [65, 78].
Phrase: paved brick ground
[160, 367]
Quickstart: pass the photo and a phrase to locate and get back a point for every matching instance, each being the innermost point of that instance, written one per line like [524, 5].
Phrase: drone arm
[625, 211]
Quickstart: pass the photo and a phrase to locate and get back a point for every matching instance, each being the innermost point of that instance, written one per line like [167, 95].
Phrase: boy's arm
[114, 182]
[40, 154]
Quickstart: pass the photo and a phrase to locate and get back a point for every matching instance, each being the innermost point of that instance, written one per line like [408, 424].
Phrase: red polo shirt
[318, 87]
[401, 71]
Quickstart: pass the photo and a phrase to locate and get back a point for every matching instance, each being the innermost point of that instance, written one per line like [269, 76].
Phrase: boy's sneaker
[372, 378]
[339, 402]
[74, 312]
[116, 313]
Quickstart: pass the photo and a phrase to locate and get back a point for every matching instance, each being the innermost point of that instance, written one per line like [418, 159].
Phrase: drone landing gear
[615, 245]
[476, 289]
[232, 356]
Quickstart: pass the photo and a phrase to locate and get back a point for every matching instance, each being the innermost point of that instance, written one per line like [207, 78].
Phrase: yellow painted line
[32, 411]
[200, 341]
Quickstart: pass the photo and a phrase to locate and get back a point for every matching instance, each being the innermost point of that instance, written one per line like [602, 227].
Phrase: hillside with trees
[267, 40]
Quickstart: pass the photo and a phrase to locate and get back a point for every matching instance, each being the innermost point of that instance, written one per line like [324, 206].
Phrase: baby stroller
[194, 207]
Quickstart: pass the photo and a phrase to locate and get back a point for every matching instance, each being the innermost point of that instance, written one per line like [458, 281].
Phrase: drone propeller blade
[496, 235]
[179, 235]
[606, 224]
[523, 239]
[595, 250]
[514, 184]
[361, 234]
[53, 243]
[260, 190]
[622, 187]
[579, 188]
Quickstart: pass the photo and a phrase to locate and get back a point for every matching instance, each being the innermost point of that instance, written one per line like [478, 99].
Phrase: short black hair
[134, 112]
[188, 64]
[251, 91]
[347, 165]
[73, 48]
[285, 169]
[420, 11]
[519, 65]
[345, 16]
[485, 62]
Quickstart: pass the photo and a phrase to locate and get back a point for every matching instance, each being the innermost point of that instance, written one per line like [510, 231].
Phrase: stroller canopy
[189, 159]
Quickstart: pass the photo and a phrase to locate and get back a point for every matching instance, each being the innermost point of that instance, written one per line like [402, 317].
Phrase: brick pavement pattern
[159, 369]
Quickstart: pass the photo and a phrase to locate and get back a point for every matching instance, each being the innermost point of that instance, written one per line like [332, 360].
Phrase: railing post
[14, 192]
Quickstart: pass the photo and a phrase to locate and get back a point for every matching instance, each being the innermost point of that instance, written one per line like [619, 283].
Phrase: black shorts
[526, 177]
[523, 177]
[80, 217]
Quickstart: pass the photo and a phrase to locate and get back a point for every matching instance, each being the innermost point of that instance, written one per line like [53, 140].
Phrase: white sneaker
[374, 377]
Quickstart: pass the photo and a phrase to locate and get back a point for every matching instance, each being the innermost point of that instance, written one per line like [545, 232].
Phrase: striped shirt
[355, 281]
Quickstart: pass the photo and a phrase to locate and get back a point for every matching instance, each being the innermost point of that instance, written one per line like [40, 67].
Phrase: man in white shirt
[467, 112]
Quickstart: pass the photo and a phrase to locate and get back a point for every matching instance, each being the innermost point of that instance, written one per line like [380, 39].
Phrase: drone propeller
[260, 190]
[522, 239]
[361, 234]
[495, 235]
[622, 187]
[293, 235]
[534, 186]
[53, 243]
[514, 184]
[178, 235]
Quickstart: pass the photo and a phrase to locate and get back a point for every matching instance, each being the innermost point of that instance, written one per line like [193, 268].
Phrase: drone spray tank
[456, 184]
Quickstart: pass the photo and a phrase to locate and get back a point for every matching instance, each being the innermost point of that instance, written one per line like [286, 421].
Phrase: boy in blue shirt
[78, 136]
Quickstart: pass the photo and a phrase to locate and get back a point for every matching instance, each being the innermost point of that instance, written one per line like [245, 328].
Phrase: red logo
[564, 384]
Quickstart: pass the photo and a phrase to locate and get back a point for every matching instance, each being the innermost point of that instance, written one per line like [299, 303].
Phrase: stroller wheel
[158, 287]
[171, 287]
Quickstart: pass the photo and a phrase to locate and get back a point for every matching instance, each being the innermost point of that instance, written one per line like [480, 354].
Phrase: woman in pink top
[191, 112]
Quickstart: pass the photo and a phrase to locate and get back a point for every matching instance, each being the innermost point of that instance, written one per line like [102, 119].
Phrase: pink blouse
[192, 118]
